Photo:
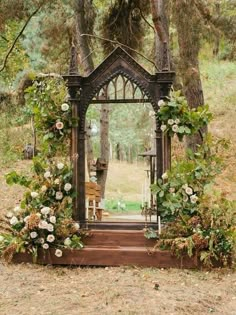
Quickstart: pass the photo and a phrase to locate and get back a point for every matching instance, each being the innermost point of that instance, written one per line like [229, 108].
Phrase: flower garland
[177, 118]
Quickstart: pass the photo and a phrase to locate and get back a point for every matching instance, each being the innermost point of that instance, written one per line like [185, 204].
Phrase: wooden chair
[93, 197]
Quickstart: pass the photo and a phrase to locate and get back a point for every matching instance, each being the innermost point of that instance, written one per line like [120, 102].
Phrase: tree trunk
[188, 30]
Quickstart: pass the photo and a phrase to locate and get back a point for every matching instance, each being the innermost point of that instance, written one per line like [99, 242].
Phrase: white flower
[77, 226]
[185, 198]
[57, 181]
[47, 174]
[58, 253]
[45, 210]
[9, 215]
[44, 188]
[185, 186]
[175, 128]
[170, 121]
[161, 103]
[43, 225]
[177, 121]
[171, 190]
[45, 246]
[50, 227]
[34, 194]
[1, 238]
[17, 209]
[59, 195]
[67, 241]
[14, 220]
[33, 234]
[67, 186]
[65, 107]
[60, 166]
[193, 199]
[38, 215]
[189, 191]
[26, 218]
[163, 127]
[53, 219]
[50, 238]
[59, 125]
[164, 176]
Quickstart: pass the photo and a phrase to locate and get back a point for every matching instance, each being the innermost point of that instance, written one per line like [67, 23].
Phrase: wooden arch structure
[118, 67]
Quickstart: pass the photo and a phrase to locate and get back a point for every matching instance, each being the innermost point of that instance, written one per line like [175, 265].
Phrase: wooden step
[111, 256]
[118, 238]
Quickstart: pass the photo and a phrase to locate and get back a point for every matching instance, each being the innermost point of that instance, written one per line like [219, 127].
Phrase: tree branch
[17, 37]
[120, 44]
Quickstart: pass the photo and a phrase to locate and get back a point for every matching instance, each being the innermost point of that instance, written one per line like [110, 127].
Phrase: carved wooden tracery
[127, 82]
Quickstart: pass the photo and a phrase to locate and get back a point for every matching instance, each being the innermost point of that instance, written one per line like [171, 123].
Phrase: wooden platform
[113, 248]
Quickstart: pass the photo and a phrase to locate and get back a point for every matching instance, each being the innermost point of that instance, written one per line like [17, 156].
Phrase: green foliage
[177, 118]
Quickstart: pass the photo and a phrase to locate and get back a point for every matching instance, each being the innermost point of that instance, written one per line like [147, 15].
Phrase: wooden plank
[111, 256]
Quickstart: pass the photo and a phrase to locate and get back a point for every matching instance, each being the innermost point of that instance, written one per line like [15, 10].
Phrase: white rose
[67, 187]
[59, 195]
[50, 238]
[65, 107]
[45, 246]
[43, 225]
[175, 128]
[193, 199]
[163, 127]
[161, 103]
[41, 240]
[77, 226]
[53, 219]
[177, 121]
[34, 194]
[44, 188]
[17, 209]
[189, 191]
[58, 253]
[9, 215]
[57, 181]
[14, 220]
[67, 241]
[172, 190]
[60, 166]
[185, 198]
[170, 121]
[45, 210]
[26, 218]
[1, 238]
[164, 176]
[33, 234]
[50, 227]
[59, 125]
[47, 174]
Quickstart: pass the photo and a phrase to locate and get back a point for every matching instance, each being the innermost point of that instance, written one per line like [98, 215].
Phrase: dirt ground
[38, 290]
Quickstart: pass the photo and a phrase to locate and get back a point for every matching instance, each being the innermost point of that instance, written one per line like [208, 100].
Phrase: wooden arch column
[83, 92]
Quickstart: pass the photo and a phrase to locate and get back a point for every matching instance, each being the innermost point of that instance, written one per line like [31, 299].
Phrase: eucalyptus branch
[123, 45]
[17, 37]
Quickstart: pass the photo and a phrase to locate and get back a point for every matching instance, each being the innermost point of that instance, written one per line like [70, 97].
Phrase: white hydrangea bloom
[45, 246]
[60, 166]
[67, 187]
[34, 194]
[58, 253]
[59, 195]
[14, 220]
[45, 210]
[67, 241]
[164, 176]
[53, 219]
[50, 238]
[189, 191]
[33, 234]
[163, 128]
[65, 107]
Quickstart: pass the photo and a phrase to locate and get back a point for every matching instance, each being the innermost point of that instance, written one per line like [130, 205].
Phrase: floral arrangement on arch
[43, 219]
[178, 119]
